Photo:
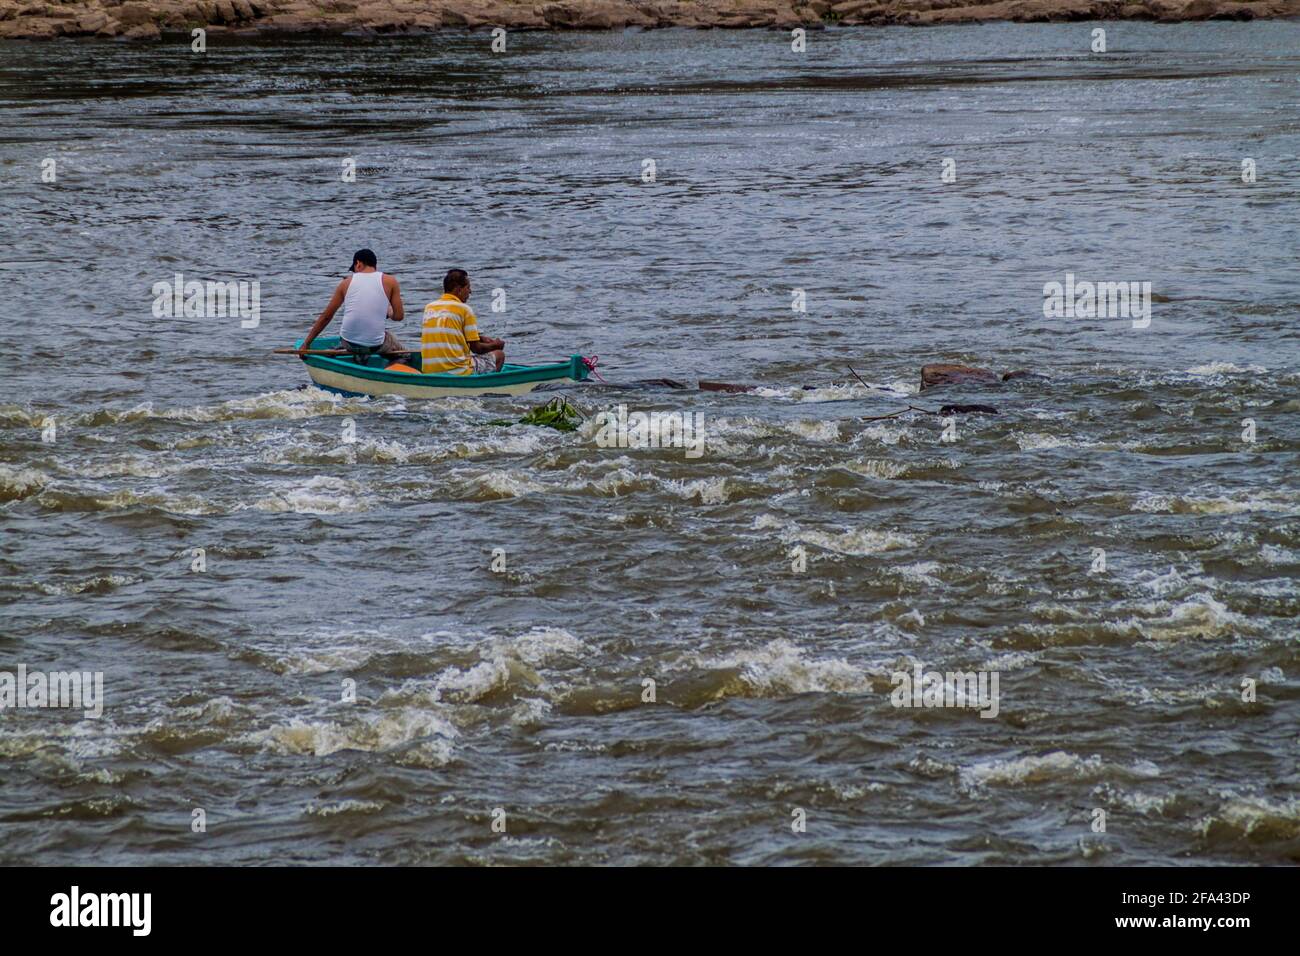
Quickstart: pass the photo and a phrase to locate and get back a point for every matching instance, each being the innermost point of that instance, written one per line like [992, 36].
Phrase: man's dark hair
[454, 280]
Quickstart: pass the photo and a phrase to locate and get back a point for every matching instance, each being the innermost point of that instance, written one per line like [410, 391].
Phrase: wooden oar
[338, 352]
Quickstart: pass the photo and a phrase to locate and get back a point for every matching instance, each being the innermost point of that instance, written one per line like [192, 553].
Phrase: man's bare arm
[396, 311]
[323, 319]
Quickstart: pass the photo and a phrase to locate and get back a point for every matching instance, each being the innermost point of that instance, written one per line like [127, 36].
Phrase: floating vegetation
[557, 414]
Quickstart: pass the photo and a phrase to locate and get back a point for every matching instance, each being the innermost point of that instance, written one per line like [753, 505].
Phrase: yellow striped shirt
[449, 326]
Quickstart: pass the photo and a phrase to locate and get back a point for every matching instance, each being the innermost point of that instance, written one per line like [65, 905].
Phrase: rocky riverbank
[150, 19]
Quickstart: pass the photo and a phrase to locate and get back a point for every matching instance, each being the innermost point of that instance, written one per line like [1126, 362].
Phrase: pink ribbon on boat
[591, 364]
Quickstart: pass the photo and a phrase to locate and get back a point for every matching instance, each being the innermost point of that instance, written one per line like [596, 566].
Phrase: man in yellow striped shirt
[450, 342]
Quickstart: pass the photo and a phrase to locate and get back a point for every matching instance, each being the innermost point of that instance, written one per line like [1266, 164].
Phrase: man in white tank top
[368, 298]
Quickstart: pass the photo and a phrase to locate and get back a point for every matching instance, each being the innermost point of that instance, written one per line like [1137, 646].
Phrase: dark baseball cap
[365, 257]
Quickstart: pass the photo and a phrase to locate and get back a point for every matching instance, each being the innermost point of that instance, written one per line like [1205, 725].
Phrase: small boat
[346, 376]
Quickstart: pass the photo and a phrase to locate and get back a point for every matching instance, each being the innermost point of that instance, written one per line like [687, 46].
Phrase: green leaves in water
[557, 414]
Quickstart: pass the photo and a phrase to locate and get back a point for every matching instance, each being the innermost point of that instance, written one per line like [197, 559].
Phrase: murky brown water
[328, 561]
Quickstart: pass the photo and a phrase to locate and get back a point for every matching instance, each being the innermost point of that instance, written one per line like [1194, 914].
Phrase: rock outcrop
[150, 19]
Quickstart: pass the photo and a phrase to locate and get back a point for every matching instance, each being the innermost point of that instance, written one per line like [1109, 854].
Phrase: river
[684, 659]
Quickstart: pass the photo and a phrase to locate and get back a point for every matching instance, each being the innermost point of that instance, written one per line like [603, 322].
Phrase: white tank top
[365, 307]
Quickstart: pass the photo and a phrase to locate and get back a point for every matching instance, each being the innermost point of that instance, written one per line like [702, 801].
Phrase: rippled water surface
[329, 560]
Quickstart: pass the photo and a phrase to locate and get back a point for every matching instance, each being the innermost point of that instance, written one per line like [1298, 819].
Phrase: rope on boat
[591, 364]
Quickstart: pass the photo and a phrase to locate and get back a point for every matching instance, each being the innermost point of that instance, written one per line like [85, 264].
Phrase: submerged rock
[941, 374]
[932, 376]
[725, 387]
[1022, 373]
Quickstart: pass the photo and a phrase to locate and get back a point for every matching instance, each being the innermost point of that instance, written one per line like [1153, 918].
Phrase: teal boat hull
[343, 375]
